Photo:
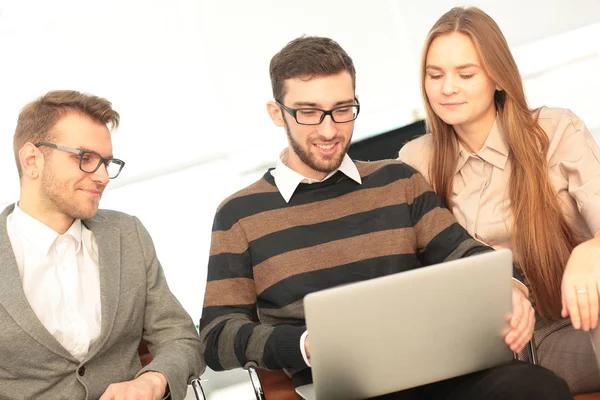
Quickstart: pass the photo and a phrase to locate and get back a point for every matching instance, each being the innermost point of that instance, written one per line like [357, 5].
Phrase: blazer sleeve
[168, 330]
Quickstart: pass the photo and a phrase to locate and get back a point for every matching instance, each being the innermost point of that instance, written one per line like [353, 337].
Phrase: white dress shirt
[60, 278]
[287, 180]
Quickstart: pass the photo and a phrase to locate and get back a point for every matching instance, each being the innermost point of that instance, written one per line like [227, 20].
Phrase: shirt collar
[40, 235]
[287, 180]
[76, 232]
[494, 150]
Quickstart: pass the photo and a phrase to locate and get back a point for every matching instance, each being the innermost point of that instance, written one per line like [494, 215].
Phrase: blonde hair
[37, 118]
[542, 240]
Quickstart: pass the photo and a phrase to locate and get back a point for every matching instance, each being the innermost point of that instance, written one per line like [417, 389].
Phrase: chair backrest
[272, 385]
[145, 356]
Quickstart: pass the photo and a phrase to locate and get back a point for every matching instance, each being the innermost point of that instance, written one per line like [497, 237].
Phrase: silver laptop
[409, 329]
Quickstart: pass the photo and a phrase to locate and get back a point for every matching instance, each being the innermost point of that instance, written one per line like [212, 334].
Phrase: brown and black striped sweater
[266, 255]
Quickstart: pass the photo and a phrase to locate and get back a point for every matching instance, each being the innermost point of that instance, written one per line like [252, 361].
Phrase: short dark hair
[37, 118]
[308, 56]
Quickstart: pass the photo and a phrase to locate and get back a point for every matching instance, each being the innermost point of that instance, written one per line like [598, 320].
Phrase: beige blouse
[480, 192]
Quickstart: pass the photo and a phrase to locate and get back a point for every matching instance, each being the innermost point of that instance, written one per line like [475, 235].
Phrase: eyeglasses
[90, 161]
[314, 116]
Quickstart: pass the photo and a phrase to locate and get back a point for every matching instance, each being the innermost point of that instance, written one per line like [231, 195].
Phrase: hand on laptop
[522, 322]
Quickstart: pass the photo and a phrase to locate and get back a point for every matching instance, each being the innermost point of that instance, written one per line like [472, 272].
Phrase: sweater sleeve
[230, 331]
[439, 236]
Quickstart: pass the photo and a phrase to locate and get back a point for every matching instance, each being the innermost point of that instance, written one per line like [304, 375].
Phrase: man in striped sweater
[318, 220]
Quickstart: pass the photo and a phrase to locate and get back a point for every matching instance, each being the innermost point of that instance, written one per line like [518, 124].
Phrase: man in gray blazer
[81, 287]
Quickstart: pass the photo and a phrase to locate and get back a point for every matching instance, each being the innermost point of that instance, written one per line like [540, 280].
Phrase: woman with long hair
[517, 178]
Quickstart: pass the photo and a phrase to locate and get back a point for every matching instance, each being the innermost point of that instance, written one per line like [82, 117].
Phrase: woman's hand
[581, 285]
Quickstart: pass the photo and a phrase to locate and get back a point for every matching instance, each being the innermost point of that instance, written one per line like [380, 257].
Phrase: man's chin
[85, 217]
[326, 168]
[87, 213]
[331, 163]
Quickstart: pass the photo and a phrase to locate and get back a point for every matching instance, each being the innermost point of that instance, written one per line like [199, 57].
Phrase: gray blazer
[136, 303]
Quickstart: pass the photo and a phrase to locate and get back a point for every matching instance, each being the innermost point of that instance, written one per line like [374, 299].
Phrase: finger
[583, 303]
[530, 329]
[515, 320]
[522, 324]
[517, 314]
[564, 312]
[526, 332]
[522, 327]
[514, 339]
[592, 304]
[107, 395]
[573, 307]
[594, 295]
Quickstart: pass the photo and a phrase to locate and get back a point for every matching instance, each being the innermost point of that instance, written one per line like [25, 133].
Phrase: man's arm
[441, 238]
[230, 331]
[168, 330]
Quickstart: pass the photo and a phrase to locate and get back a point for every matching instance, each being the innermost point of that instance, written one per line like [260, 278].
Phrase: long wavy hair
[542, 239]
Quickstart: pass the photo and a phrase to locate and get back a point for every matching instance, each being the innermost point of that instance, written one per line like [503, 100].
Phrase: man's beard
[57, 196]
[307, 157]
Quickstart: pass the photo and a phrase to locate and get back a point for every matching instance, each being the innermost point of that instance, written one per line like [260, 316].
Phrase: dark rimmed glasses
[314, 116]
[90, 161]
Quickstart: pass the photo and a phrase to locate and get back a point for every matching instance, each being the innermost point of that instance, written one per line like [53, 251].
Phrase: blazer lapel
[12, 296]
[109, 256]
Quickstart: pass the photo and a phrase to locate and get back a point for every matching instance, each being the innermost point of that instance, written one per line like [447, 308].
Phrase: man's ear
[31, 160]
[275, 113]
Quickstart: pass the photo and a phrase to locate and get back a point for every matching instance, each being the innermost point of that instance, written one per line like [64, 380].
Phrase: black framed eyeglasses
[314, 116]
[90, 161]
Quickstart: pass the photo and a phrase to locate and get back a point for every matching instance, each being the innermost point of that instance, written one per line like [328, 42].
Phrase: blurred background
[190, 79]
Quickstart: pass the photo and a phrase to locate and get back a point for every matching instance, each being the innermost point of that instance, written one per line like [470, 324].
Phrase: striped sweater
[266, 255]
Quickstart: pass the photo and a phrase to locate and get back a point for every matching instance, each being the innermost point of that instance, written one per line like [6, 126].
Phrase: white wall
[190, 79]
